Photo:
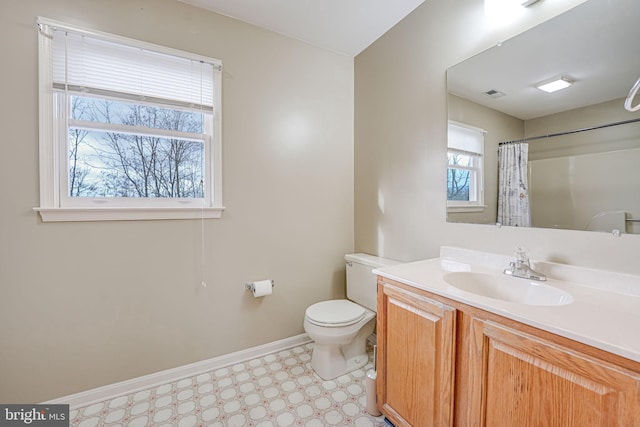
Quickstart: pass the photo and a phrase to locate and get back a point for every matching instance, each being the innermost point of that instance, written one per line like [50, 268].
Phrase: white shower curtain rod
[531, 138]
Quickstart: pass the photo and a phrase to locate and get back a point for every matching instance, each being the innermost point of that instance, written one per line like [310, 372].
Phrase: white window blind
[88, 64]
[465, 139]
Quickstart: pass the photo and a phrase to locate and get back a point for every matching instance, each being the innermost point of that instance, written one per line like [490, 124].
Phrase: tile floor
[276, 390]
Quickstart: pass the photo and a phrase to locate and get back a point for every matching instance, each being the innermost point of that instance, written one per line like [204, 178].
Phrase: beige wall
[88, 304]
[400, 143]
[613, 138]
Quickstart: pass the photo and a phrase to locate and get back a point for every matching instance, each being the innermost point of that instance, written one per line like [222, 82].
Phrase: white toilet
[340, 328]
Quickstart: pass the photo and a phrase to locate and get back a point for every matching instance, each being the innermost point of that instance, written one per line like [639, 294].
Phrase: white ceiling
[595, 44]
[345, 26]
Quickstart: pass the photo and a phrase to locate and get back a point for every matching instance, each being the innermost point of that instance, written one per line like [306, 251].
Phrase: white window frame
[56, 205]
[477, 186]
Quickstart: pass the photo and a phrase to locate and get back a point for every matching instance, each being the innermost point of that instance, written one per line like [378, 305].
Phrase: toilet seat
[335, 313]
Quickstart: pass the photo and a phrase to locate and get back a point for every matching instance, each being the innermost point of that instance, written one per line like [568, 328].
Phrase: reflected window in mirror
[465, 172]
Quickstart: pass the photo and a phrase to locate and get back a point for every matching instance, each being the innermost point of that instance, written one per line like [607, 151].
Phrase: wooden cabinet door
[416, 343]
[527, 381]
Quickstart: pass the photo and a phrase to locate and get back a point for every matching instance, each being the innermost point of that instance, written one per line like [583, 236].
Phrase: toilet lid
[335, 312]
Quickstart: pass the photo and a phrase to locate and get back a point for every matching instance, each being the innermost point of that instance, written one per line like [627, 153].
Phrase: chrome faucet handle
[511, 269]
[521, 267]
[521, 255]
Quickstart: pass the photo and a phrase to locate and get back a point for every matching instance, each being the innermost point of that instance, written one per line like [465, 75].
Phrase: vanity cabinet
[519, 379]
[416, 342]
[464, 366]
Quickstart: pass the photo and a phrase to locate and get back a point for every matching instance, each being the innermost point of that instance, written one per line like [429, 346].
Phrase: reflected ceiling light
[555, 84]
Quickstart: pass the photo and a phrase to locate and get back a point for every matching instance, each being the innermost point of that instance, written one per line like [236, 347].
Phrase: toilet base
[330, 361]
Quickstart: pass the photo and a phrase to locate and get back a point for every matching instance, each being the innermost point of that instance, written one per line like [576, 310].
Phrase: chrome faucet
[522, 268]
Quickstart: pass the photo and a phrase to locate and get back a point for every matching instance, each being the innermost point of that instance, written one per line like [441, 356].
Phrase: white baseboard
[170, 375]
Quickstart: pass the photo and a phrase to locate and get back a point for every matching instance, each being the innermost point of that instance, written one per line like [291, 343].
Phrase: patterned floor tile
[277, 390]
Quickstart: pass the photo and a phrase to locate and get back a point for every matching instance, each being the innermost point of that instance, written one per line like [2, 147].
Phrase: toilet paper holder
[252, 287]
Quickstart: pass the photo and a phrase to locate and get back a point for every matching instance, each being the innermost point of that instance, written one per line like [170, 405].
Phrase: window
[464, 167]
[128, 130]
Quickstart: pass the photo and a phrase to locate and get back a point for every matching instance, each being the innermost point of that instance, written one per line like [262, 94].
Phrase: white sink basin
[507, 288]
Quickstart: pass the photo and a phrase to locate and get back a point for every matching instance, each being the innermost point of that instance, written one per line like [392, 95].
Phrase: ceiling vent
[493, 93]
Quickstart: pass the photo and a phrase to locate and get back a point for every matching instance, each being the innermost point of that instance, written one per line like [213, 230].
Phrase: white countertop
[604, 313]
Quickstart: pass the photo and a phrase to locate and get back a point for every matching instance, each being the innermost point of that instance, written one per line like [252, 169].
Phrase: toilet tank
[361, 282]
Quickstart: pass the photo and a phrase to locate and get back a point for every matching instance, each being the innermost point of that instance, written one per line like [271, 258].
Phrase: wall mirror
[582, 147]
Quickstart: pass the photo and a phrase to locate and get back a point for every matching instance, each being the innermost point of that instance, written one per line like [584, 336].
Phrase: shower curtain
[513, 191]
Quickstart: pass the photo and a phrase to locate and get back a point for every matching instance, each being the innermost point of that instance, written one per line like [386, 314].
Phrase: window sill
[476, 208]
[126, 214]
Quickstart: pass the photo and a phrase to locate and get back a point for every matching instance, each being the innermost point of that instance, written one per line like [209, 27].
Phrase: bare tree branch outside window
[458, 180]
[104, 163]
